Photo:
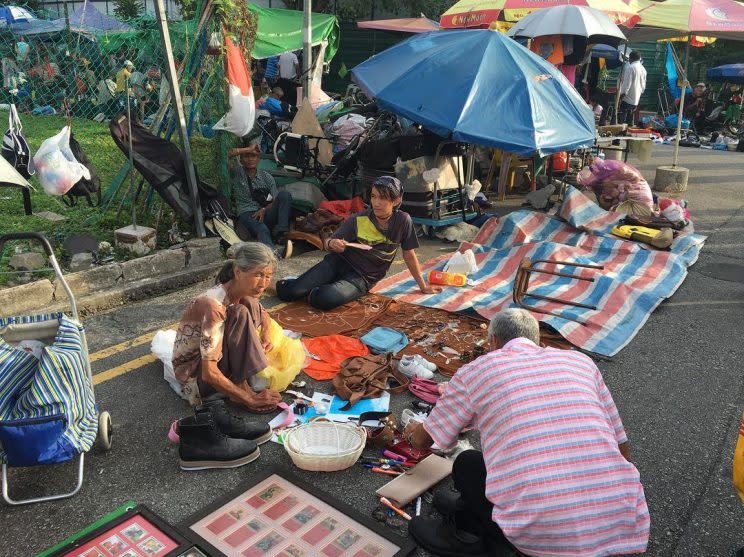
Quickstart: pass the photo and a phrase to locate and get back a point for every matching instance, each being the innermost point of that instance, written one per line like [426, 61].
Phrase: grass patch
[96, 141]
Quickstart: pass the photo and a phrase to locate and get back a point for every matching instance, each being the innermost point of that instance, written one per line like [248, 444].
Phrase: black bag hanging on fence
[161, 163]
[15, 147]
[83, 188]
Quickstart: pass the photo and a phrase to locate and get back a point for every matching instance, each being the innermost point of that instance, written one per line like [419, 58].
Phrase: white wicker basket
[325, 446]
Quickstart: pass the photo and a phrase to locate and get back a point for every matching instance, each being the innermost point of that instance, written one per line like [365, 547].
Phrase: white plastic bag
[56, 166]
[162, 347]
[463, 263]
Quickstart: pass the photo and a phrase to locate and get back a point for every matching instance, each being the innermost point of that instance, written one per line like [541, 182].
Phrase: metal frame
[522, 279]
[84, 345]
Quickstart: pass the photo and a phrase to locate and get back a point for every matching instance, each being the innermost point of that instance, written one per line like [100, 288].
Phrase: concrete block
[32, 297]
[671, 179]
[139, 240]
[93, 280]
[203, 251]
[29, 261]
[81, 261]
[162, 263]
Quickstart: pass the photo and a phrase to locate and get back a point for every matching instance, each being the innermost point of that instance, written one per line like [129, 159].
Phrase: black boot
[443, 537]
[232, 424]
[448, 502]
[203, 446]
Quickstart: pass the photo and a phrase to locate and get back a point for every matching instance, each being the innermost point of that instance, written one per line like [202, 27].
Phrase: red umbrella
[481, 13]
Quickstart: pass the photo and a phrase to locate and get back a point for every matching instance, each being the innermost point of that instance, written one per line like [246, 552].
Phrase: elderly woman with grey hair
[554, 475]
[218, 345]
[218, 342]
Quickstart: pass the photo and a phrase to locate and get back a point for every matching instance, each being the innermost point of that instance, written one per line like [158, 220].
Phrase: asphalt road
[678, 385]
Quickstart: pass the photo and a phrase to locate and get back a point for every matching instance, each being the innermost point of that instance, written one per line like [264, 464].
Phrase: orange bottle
[447, 279]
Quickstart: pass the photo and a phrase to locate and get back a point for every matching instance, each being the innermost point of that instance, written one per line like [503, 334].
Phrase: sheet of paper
[355, 245]
[335, 414]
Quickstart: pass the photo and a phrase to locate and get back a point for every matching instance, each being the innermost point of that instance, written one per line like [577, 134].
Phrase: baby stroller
[48, 413]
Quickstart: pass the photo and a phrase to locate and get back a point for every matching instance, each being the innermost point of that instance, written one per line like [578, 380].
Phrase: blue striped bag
[47, 410]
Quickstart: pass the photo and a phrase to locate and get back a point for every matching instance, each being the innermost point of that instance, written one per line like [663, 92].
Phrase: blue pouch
[382, 340]
[35, 441]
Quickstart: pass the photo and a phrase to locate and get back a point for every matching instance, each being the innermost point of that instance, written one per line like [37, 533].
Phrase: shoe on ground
[442, 537]
[411, 368]
[419, 359]
[232, 424]
[202, 446]
[448, 502]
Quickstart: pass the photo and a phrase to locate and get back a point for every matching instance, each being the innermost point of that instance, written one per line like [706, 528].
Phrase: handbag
[367, 377]
[261, 196]
[15, 147]
[425, 389]
[384, 340]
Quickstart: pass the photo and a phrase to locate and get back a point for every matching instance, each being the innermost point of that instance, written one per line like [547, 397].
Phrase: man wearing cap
[631, 89]
[123, 75]
[260, 206]
[361, 252]
[695, 107]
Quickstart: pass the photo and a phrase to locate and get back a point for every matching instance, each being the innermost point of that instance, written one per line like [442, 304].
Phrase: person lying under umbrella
[361, 252]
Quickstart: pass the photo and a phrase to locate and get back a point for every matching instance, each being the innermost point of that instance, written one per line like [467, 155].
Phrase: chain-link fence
[84, 71]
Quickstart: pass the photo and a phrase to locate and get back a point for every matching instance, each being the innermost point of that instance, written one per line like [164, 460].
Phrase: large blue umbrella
[480, 87]
[733, 73]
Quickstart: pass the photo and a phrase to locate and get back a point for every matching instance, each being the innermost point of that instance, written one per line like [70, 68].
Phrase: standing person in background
[271, 73]
[289, 73]
[124, 74]
[631, 89]
[22, 51]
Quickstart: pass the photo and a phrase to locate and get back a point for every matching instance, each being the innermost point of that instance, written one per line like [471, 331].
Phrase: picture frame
[138, 532]
[277, 514]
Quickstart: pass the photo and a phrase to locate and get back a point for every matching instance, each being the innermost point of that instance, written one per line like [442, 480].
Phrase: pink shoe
[173, 433]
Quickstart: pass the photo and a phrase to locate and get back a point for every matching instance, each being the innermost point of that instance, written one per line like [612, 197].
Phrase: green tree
[128, 9]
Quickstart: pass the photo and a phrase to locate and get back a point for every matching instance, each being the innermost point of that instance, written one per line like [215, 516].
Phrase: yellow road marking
[124, 368]
[137, 362]
[111, 350]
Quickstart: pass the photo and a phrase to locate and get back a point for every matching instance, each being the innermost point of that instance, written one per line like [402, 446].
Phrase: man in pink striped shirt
[554, 479]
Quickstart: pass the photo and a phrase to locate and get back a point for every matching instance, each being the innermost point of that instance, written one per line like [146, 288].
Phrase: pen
[388, 472]
[394, 456]
[389, 461]
[395, 509]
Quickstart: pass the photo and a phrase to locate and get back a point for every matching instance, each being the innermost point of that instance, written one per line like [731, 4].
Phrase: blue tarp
[84, 19]
[479, 87]
[88, 18]
[15, 14]
[672, 77]
[733, 73]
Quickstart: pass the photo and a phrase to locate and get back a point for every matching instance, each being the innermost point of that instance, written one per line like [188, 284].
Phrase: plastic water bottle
[447, 279]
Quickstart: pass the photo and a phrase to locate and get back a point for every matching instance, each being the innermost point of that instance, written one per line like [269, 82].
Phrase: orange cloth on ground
[332, 350]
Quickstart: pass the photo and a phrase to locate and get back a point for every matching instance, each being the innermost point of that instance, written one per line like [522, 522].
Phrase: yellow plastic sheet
[286, 359]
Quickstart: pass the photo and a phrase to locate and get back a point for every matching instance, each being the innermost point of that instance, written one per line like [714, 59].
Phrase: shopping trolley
[48, 413]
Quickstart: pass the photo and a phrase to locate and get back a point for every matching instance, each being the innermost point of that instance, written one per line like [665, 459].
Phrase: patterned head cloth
[389, 183]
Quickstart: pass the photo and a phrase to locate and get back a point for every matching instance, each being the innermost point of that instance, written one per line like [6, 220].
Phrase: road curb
[108, 286]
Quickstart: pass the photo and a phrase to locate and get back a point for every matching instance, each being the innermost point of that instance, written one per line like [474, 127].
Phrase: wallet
[426, 474]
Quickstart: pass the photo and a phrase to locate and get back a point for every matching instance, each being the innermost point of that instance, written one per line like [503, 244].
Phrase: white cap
[128, 63]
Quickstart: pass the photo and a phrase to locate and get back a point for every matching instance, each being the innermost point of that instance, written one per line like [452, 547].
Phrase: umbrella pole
[673, 179]
[685, 84]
